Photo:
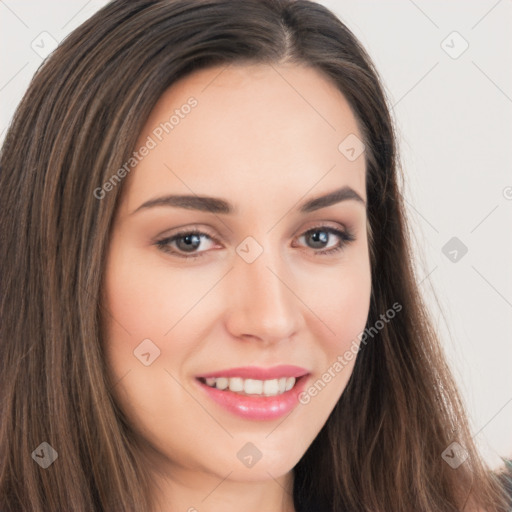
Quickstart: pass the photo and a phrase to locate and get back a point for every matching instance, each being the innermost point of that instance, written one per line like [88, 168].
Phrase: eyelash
[345, 236]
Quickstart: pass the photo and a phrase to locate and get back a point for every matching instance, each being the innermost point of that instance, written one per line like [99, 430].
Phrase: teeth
[290, 382]
[252, 386]
[270, 387]
[222, 383]
[236, 384]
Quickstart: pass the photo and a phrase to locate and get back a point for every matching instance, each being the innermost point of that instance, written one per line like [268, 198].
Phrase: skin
[264, 138]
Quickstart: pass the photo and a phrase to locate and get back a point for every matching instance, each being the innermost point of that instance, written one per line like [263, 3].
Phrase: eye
[185, 244]
[319, 237]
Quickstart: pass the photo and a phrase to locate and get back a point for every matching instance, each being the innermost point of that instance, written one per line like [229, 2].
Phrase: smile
[241, 386]
[252, 398]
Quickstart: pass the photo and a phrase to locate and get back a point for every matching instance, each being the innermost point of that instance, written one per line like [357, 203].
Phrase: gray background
[453, 111]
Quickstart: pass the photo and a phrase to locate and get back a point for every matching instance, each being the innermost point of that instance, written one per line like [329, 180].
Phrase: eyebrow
[217, 205]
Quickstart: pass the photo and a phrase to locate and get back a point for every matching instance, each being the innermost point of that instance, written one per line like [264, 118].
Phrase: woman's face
[264, 296]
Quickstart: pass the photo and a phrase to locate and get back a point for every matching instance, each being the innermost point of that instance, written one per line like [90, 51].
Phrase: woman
[208, 298]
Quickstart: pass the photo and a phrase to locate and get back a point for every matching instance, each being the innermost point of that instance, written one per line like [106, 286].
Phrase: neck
[199, 491]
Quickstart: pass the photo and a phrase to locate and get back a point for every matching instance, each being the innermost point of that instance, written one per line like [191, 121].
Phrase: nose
[262, 302]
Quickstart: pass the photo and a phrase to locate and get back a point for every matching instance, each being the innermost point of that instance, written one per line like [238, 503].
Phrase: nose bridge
[262, 303]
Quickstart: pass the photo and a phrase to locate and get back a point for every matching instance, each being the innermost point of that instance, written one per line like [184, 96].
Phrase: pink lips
[257, 407]
[254, 372]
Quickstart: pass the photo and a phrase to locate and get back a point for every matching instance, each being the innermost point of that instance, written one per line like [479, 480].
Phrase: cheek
[145, 302]
[342, 305]
[149, 299]
[157, 309]
[341, 315]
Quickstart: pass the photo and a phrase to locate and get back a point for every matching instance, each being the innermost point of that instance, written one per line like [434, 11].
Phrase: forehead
[272, 130]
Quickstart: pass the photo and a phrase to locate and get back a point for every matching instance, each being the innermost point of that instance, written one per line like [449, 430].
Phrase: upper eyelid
[206, 231]
[202, 231]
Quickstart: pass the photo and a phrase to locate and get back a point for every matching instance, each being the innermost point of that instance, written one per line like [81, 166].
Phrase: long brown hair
[380, 449]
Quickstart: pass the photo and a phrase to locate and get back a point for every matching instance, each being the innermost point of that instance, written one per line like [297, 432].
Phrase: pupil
[320, 236]
[191, 242]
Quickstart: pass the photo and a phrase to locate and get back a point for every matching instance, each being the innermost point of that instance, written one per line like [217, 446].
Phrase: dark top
[504, 476]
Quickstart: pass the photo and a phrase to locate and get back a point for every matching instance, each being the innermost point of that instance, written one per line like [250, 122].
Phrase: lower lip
[257, 407]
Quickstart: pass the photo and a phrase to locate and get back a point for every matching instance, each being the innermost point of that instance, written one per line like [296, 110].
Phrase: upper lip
[259, 373]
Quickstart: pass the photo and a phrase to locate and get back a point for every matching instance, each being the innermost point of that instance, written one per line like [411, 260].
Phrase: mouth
[251, 387]
[255, 393]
